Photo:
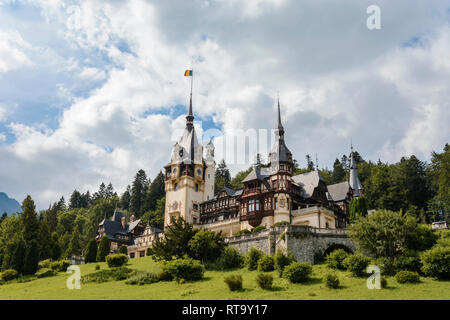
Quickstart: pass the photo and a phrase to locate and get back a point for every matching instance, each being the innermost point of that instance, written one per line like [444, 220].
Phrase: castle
[272, 194]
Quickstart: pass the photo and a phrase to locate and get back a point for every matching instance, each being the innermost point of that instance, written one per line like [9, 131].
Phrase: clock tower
[188, 176]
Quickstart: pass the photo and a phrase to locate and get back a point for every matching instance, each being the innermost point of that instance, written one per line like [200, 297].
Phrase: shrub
[336, 258]
[356, 264]
[60, 266]
[116, 260]
[164, 276]
[8, 275]
[253, 258]
[436, 262]
[265, 264]
[148, 252]
[298, 272]
[258, 229]
[282, 260]
[387, 266]
[241, 232]
[234, 282]
[31, 257]
[405, 276]
[45, 263]
[97, 267]
[123, 250]
[281, 223]
[141, 278]
[230, 259]
[185, 269]
[45, 272]
[331, 281]
[409, 260]
[115, 274]
[264, 281]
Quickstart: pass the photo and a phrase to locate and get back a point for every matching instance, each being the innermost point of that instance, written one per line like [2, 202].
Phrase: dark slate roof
[257, 174]
[117, 216]
[339, 191]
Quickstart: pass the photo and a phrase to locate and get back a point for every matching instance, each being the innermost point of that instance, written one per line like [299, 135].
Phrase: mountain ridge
[8, 205]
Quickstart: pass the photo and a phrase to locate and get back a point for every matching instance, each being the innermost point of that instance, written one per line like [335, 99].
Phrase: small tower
[354, 182]
[210, 172]
[280, 171]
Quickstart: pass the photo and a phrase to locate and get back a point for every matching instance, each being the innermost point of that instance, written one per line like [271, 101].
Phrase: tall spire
[354, 182]
[190, 116]
[280, 126]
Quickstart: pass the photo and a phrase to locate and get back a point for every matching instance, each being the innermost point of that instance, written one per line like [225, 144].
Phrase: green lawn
[213, 287]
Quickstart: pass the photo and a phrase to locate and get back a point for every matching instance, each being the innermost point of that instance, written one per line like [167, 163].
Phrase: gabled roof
[257, 174]
[339, 191]
[308, 182]
[354, 182]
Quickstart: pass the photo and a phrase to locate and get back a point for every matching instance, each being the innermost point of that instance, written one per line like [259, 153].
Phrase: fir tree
[31, 257]
[29, 220]
[103, 249]
[91, 251]
[74, 244]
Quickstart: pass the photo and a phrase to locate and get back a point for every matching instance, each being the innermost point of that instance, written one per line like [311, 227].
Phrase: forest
[412, 186]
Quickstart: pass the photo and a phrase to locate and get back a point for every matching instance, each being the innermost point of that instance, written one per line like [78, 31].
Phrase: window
[194, 219]
[251, 206]
[196, 187]
[276, 203]
[195, 206]
[175, 186]
[281, 166]
[256, 205]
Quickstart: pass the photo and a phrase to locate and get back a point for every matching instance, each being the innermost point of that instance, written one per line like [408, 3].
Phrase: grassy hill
[213, 287]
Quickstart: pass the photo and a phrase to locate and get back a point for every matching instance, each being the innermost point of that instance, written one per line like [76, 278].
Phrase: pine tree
[45, 241]
[75, 200]
[138, 191]
[91, 251]
[154, 193]
[109, 192]
[51, 217]
[309, 163]
[29, 220]
[74, 244]
[56, 248]
[125, 199]
[31, 257]
[61, 205]
[103, 249]
[223, 177]
[338, 172]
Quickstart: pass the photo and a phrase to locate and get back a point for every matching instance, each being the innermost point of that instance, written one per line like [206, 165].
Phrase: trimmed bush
[264, 281]
[116, 260]
[281, 261]
[123, 250]
[241, 232]
[298, 272]
[141, 278]
[258, 229]
[336, 258]
[405, 276]
[60, 266]
[331, 280]
[410, 261]
[230, 259]
[185, 269]
[356, 264]
[253, 257]
[164, 276]
[45, 263]
[8, 275]
[234, 282]
[265, 264]
[103, 249]
[436, 262]
[45, 272]
[148, 252]
[97, 267]
[114, 274]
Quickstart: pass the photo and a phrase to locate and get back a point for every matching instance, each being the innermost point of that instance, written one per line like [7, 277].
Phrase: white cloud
[337, 81]
[12, 51]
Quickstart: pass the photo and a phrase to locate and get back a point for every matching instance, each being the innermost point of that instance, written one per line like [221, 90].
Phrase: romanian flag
[188, 73]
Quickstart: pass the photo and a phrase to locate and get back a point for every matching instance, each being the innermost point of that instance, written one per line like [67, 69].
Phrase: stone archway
[336, 246]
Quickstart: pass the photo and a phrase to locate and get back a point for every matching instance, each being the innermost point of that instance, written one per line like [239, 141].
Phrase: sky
[92, 91]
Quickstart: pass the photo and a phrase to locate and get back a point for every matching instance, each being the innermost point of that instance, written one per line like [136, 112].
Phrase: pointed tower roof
[354, 182]
[280, 151]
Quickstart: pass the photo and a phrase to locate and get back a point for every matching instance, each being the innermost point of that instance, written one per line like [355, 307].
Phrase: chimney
[124, 221]
[132, 218]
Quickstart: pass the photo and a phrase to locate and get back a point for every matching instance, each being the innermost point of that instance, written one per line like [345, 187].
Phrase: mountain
[8, 205]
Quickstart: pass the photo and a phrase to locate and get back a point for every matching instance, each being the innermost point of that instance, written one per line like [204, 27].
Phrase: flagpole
[192, 80]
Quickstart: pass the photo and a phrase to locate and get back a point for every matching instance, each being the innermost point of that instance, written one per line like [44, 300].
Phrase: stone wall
[303, 241]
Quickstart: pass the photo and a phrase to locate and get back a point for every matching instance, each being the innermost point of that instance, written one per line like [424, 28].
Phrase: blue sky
[92, 91]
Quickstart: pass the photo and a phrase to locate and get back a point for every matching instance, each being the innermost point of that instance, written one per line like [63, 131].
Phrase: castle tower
[281, 166]
[354, 182]
[210, 172]
[187, 176]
